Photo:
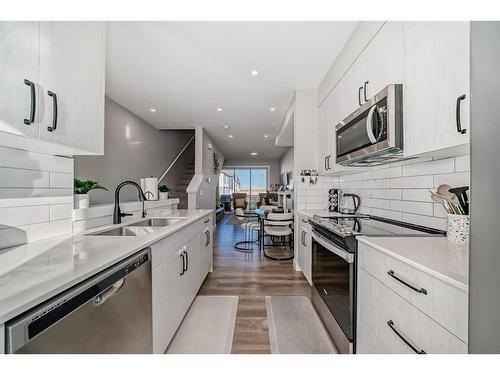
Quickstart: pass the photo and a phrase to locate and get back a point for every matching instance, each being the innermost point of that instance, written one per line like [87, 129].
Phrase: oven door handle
[327, 244]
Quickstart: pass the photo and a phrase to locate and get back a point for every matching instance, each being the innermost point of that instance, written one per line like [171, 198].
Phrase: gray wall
[484, 275]
[286, 162]
[133, 149]
[274, 167]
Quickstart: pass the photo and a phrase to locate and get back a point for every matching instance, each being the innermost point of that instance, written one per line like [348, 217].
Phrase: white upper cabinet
[65, 59]
[436, 74]
[18, 72]
[71, 69]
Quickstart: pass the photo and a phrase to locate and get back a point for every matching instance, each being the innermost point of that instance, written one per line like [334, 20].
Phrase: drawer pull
[418, 290]
[390, 323]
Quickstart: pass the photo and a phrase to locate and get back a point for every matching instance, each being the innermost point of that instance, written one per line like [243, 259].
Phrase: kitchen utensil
[444, 191]
[461, 194]
[454, 207]
[436, 198]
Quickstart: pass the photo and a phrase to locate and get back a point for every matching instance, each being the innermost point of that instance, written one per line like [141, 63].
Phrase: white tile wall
[401, 191]
[36, 196]
[394, 191]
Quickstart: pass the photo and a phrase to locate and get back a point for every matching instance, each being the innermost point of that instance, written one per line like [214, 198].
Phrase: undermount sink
[125, 231]
[157, 222]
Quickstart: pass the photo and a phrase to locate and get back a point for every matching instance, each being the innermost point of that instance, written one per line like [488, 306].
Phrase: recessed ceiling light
[254, 72]
[272, 109]
[153, 110]
[230, 136]
[253, 153]
[266, 136]
[219, 109]
[226, 126]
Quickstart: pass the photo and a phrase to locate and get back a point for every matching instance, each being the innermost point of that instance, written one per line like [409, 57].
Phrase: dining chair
[279, 227]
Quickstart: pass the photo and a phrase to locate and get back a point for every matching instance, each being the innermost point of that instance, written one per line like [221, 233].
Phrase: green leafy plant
[83, 187]
[163, 188]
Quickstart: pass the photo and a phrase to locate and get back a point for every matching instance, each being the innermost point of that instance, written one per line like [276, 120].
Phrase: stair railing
[175, 160]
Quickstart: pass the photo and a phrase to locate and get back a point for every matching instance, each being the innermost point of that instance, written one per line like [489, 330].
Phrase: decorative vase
[81, 201]
[458, 228]
[163, 195]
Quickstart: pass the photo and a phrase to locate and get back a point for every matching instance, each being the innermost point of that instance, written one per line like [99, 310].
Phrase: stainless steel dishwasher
[110, 312]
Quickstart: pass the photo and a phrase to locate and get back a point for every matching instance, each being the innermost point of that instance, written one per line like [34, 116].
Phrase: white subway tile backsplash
[381, 184]
[23, 178]
[419, 208]
[387, 193]
[36, 196]
[428, 221]
[61, 211]
[413, 182]
[16, 216]
[462, 163]
[452, 179]
[420, 195]
[61, 180]
[387, 173]
[400, 191]
[430, 167]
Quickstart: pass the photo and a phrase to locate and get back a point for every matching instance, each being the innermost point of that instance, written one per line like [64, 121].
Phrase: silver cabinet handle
[390, 323]
[207, 220]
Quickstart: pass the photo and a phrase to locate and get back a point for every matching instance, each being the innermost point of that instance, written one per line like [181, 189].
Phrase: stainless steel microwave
[373, 134]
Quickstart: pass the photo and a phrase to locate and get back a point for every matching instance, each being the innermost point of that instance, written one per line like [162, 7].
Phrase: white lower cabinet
[304, 256]
[206, 252]
[396, 326]
[176, 281]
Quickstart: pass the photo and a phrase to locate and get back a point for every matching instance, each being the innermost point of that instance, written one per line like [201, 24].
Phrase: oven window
[333, 279]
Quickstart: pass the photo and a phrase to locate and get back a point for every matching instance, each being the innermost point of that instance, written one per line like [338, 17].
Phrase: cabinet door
[72, 67]
[381, 63]
[194, 266]
[171, 299]
[436, 73]
[307, 254]
[323, 144]
[19, 48]
[206, 258]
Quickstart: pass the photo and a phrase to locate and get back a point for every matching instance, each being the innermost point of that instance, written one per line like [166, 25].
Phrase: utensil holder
[458, 228]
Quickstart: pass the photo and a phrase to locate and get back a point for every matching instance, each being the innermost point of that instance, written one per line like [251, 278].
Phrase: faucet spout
[117, 214]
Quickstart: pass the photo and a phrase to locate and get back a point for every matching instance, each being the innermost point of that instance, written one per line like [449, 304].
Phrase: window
[251, 181]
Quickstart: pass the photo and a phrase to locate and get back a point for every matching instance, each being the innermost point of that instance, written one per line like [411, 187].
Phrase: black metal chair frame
[276, 243]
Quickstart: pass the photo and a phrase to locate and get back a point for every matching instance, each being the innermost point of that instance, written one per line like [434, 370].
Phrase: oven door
[333, 278]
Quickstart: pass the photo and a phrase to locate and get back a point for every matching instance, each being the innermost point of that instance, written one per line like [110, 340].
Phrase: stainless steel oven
[373, 134]
[334, 288]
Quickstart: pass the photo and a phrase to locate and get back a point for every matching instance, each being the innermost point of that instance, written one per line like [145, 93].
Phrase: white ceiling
[186, 70]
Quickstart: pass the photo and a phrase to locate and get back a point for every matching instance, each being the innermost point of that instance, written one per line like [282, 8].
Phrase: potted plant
[81, 189]
[163, 191]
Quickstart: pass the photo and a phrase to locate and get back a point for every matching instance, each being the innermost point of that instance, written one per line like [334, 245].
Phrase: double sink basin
[140, 228]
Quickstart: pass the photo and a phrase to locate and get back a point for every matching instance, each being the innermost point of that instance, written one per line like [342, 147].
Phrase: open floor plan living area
[266, 188]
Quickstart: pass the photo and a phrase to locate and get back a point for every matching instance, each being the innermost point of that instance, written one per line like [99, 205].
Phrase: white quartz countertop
[37, 271]
[435, 256]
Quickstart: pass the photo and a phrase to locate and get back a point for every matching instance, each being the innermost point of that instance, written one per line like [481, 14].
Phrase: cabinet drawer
[444, 303]
[378, 305]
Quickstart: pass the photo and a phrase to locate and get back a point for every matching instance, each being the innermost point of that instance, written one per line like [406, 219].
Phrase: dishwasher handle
[20, 330]
[108, 293]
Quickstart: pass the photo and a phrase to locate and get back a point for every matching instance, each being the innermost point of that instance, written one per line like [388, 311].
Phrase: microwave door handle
[369, 125]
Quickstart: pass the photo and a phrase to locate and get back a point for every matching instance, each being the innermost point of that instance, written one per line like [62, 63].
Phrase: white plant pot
[163, 195]
[81, 200]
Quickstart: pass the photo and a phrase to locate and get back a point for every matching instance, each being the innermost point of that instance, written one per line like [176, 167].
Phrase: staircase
[178, 188]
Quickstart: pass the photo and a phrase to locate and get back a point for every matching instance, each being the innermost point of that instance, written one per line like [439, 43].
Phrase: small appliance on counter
[344, 203]
[334, 274]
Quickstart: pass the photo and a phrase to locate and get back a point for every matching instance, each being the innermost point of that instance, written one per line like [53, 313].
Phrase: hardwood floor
[252, 277]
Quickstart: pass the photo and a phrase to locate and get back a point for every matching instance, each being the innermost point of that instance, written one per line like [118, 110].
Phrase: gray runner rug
[207, 328]
[295, 327]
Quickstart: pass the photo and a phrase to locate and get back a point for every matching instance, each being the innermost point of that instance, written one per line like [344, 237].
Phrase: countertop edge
[7, 315]
[453, 282]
